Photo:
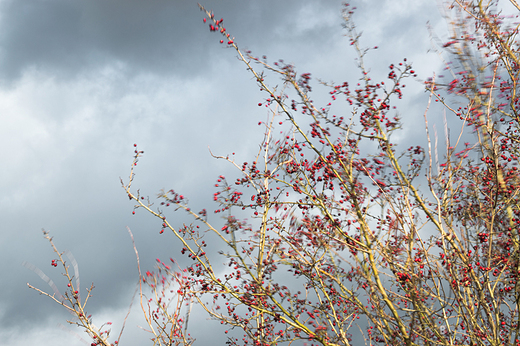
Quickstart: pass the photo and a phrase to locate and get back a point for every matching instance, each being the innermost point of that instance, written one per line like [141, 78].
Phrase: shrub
[350, 236]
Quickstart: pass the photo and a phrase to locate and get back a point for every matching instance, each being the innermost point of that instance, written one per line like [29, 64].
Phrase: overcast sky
[81, 81]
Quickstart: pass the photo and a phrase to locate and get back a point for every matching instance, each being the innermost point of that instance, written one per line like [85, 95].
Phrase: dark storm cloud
[159, 36]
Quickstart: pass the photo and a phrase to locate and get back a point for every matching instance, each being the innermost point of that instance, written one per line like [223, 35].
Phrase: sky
[82, 81]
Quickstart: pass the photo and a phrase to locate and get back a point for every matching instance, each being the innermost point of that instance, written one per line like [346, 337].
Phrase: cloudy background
[82, 81]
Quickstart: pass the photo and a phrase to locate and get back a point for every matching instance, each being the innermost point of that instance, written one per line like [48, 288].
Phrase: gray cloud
[159, 36]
